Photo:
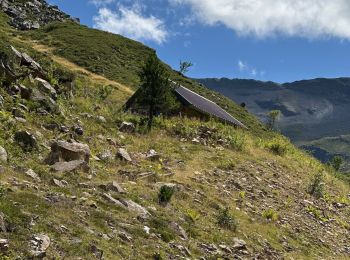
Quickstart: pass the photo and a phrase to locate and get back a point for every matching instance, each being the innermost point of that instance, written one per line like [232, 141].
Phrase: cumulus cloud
[264, 18]
[132, 24]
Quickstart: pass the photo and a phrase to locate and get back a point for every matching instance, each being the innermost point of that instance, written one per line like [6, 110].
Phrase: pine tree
[155, 91]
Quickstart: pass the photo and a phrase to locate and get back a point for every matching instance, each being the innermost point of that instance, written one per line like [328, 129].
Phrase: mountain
[81, 179]
[311, 110]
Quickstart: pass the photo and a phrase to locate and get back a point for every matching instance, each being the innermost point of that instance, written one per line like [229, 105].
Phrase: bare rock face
[62, 151]
[32, 14]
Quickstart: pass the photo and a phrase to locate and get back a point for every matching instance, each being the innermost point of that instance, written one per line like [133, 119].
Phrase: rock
[97, 252]
[134, 207]
[179, 230]
[70, 166]
[127, 127]
[125, 237]
[61, 184]
[62, 151]
[25, 92]
[3, 154]
[114, 186]
[33, 175]
[113, 200]
[2, 223]
[105, 156]
[4, 245]
[39, 244]
[26, 140]
[28, 61]
[46, 102]
[78, 130]
[152, 155]
[45, 87]
[239, 244]
[124, 155]
[1, 101]
[101, 119]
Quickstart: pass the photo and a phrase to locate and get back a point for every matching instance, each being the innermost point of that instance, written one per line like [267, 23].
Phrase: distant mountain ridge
[310, 109]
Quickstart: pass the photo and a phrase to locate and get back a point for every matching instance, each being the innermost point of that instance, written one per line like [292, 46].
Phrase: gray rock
[152, 155]
[26, 140]
[1, 101]
[179, 230]
[61, 184]
[2, 223]
[70, 166]
[125, 237]
[113, 200]
[134, 207]
[101, 119]
[239, 244]
[46, 87]
[4, 245]
[39, 245]
[79, 130]
[3, 154]
[62, 151]
[127, 127]
[30, 173]
[105, 156]
[114, 186]
[124, 155]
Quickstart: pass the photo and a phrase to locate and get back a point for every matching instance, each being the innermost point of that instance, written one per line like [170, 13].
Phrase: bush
[226, 220]
[165, 194]
[336, 162]
[316, 187]
[270, 214]
[278, 149]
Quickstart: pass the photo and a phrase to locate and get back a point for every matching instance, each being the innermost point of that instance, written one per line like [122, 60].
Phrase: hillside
[77, 182]
[311, 109]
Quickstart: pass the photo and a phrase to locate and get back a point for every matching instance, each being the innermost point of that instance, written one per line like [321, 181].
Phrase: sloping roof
[207, 106]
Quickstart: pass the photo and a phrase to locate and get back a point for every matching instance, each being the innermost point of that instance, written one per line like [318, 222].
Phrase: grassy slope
[121, 59]
[245, 176]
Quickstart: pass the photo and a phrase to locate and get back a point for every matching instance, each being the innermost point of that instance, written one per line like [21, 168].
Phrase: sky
[269, 40]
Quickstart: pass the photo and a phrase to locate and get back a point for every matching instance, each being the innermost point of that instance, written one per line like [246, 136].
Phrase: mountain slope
[113, 208]
[311, 109]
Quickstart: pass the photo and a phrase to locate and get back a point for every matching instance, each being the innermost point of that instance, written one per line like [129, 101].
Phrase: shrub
[279, 149]
[165, 194]
[226, 220]
[270, 214]
[336, 162]
[316, 187]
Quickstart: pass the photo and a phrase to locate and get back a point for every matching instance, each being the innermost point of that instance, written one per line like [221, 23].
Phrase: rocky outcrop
[29, 15]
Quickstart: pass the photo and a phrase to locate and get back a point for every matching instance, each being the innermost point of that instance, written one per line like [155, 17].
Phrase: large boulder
[62, 151]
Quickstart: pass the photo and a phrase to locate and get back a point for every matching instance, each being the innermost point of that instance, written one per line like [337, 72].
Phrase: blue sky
[277, 40]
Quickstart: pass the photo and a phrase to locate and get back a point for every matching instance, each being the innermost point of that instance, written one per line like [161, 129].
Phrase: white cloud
[264, 18]
[131, 23]
[101, 2]
[244, 67]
